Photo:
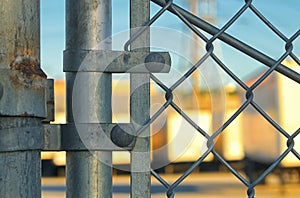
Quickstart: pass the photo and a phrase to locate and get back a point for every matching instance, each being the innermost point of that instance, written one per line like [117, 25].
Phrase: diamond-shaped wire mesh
[195, 23]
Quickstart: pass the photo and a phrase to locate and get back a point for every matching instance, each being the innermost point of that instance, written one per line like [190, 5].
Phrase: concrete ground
[208, 185]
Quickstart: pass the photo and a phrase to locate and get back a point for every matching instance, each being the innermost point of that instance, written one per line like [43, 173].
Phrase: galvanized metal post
[140, 105]
[22, 99]
[89, 173]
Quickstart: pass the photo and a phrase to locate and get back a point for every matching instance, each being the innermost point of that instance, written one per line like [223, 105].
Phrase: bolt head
[122, 137]
[154, 62]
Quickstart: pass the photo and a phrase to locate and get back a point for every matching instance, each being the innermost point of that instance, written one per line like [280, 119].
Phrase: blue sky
[284, 14]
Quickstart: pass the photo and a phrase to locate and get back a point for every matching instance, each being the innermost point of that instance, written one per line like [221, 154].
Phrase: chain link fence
[24, 93]
[196, 24]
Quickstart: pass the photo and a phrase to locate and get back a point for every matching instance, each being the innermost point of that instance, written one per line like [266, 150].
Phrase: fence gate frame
[90, 137]
[88, 55]
[89, 172]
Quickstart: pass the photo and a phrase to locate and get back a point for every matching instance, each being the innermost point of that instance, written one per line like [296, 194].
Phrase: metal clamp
[105, 137]
[81, 137]
[21, 139]
[21, 96]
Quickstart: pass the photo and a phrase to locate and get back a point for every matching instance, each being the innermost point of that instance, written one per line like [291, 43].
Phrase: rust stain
[19, 80]
[28, 65]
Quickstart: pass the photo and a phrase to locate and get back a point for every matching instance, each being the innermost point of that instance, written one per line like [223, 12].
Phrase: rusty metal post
[140, 105]
[89, 22]
[22, 99]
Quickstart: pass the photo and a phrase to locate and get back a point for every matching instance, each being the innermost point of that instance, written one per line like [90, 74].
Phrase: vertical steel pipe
[140, 105]
[89, 22]
[22, 104]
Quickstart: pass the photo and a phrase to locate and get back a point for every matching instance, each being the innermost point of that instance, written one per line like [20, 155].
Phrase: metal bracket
[74, 137]
[103, 137]
[21, 96]
[21, 139]
[116, 61]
